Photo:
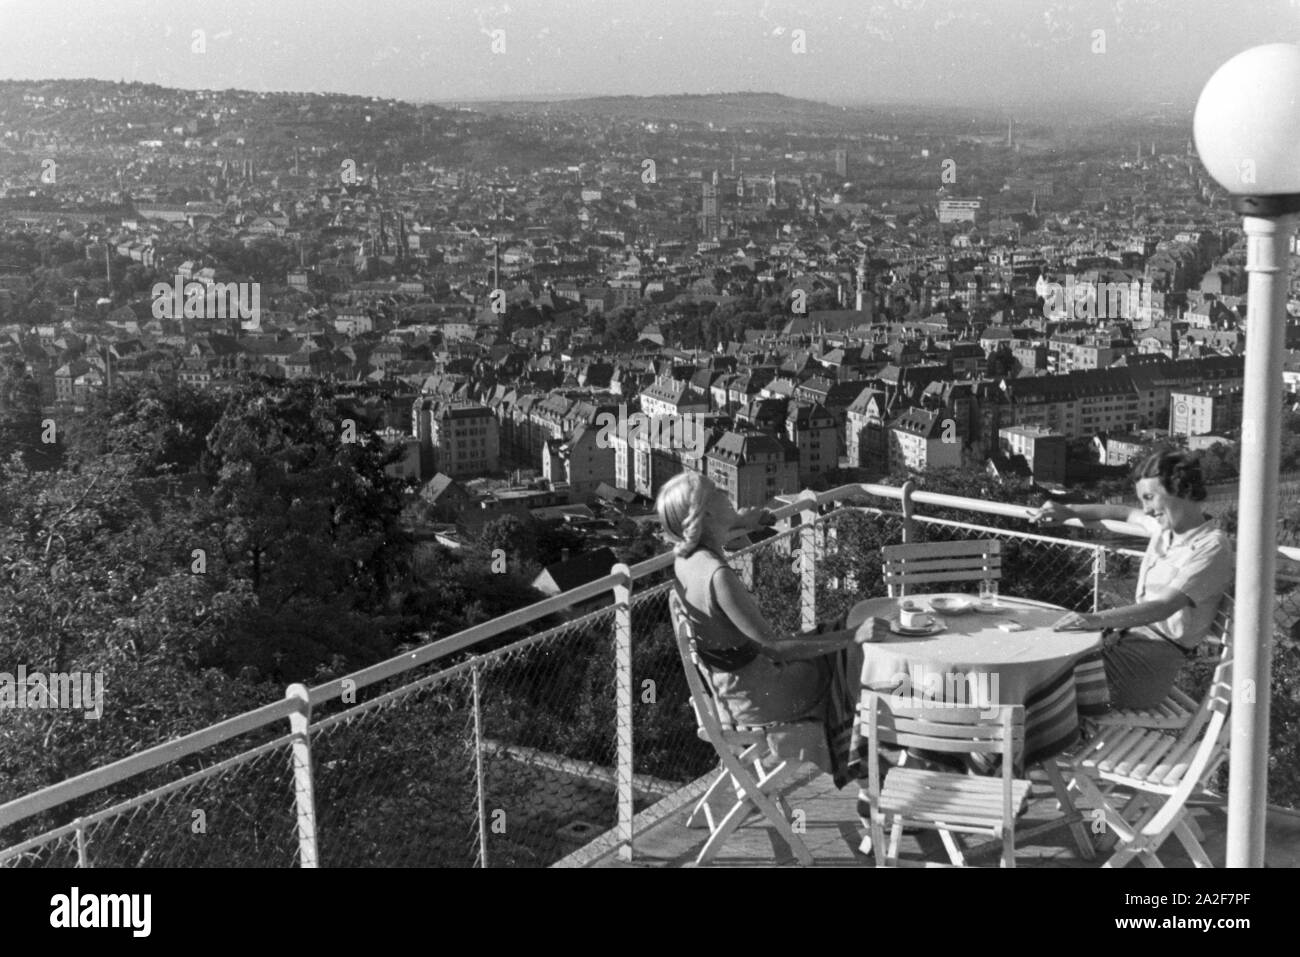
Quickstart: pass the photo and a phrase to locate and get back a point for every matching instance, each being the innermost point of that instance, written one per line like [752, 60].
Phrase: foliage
[201, 554]
[20, 413]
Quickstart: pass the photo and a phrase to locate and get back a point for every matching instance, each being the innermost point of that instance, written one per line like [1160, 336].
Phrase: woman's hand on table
[1077, 621]
[873, 629]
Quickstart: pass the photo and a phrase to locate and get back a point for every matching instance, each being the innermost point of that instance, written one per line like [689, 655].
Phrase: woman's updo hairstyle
[1179, 472]
[683, 508]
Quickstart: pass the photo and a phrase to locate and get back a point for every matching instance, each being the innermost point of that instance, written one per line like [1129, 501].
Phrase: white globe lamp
[1247, 128]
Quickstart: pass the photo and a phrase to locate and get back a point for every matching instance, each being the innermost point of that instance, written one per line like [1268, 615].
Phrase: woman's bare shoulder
[701, 568]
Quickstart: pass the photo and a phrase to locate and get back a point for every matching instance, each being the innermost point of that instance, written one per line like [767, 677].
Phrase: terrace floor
[833, 833]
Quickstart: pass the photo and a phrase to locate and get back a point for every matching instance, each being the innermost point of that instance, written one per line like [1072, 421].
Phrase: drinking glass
[988, 593]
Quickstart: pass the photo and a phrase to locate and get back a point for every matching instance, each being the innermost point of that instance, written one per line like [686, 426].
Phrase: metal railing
[554, 747]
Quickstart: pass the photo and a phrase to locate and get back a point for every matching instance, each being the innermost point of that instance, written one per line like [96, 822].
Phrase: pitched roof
[578, 570]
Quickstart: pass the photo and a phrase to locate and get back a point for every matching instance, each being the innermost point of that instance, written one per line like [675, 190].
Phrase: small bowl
[950, 606]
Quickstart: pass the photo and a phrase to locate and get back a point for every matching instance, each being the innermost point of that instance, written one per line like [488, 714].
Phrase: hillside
[721, 109]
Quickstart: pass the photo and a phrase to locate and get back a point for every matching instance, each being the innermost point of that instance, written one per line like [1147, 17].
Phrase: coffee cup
[909, 616]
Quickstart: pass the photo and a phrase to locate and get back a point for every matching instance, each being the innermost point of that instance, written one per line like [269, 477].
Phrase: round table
[1056, 675]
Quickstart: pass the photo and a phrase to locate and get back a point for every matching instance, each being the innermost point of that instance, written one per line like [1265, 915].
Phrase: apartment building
[1119, 399]
[753, 467]
[670, 396]
[811, 429]
[866, 432]
[1073, 353]
[1205, 410]
[461, 439]
[581, 461]
[921, 439]
[1043, 450]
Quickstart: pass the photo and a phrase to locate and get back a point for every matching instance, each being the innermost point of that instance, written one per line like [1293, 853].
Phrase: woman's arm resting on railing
[749, 519]
[735, 600]
[1054, 513]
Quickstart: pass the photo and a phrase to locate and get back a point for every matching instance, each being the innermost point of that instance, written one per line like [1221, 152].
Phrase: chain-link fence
[394, 777]
[548, 733]
[239, 812]
[512, 758]
[667, 751]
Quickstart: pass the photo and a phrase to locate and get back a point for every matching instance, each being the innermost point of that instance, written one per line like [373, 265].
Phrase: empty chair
[947, 802]
[908, 565]
[1141, 779]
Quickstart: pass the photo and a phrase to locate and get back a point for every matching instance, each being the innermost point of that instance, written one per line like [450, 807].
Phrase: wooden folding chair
[1156, 773]
[743, 779]
[907, 565]
[938, 800]
[1178, 708]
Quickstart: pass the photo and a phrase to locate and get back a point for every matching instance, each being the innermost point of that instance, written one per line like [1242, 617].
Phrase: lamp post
[1247, 130]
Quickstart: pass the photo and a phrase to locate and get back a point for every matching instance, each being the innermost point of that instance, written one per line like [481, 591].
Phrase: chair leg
[1149, 859]
[771, 784]
[895, 836]
[1124, 832]
[701, 815]
[954, 849]
[878, 839]
[1082, 839]
[730, 822]
[1131, 810]
[1190, 841]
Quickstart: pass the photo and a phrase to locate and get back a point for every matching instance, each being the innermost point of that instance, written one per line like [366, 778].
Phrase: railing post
[808, 570]
[478, 768]
[1098, 572]
[908, 506]
[83, 859]
[304, 795]
[623, 707]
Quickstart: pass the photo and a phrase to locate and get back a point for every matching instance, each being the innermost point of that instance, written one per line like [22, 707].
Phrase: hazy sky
[964, 51]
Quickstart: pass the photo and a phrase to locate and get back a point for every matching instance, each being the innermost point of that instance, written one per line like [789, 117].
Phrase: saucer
[933, 628]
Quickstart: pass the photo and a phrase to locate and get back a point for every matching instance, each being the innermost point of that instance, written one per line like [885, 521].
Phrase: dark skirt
[1140, 669]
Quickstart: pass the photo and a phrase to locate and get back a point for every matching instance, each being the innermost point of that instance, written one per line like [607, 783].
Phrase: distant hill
[324, 128]
[720, 109]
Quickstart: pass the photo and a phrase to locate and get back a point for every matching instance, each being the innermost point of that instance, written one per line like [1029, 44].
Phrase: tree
[96, 579]
[166, 427]
[20, 412]
[302, 513]
[512, 535]
[621, 330]
[1219, 463]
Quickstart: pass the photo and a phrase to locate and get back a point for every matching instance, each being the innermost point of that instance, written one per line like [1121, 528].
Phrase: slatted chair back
[905, 566]
[709, 719]
[1202, 745]
[1218, 643]
[930, 725]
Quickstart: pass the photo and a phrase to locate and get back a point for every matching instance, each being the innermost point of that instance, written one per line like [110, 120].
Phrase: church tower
[862, 283]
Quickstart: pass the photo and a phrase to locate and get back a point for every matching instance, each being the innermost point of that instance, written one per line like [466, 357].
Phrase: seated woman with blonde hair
[759, 675]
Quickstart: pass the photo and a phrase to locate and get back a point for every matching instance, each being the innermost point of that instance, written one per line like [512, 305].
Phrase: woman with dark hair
[1187, 568]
